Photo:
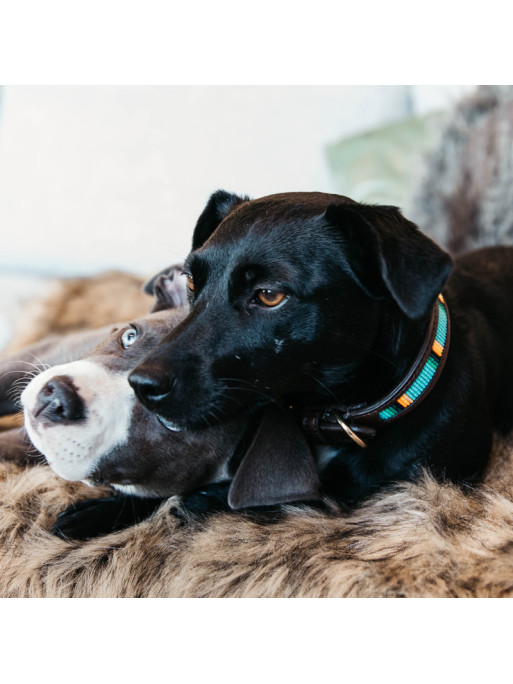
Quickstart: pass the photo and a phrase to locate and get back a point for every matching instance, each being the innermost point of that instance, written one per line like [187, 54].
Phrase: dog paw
[210, 499]
[97, 517]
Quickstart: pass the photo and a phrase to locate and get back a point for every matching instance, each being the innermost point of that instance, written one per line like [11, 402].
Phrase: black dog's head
[287, 295]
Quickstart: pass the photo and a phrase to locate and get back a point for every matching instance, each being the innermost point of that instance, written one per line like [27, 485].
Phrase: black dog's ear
[278, 466]
[168, 289]
[389, 255]
[218, 207]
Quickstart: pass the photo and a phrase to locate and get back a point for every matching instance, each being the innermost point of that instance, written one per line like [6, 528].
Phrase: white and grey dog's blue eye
[128, 337]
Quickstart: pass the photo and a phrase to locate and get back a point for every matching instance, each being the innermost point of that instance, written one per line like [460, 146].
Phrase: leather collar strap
[359, 423]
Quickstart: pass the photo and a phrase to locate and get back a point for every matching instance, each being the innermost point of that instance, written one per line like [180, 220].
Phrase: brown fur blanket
[417, 540]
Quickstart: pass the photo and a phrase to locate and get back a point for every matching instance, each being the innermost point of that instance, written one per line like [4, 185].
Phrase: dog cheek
[127, 461]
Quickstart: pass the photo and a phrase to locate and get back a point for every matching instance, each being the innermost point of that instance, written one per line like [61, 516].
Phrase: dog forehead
[286, 256]
[273, 212]
[219, 263]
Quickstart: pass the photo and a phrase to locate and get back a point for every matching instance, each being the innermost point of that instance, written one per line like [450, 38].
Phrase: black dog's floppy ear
[389, 254]
[218, 207]
[278, 466]
[168, 288]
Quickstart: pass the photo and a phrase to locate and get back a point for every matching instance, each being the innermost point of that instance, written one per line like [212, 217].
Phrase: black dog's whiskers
[370, 350]
[249, 387]
[217, 413]
[324, 387]
[228, 397]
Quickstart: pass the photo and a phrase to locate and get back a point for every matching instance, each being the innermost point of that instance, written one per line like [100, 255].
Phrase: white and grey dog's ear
[17, 369]
[168, 288]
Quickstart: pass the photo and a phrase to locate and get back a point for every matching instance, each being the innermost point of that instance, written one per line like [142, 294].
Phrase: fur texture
[416, 540]
[464, 198]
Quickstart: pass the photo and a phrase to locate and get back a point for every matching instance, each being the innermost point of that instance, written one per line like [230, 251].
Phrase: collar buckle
[350, 433]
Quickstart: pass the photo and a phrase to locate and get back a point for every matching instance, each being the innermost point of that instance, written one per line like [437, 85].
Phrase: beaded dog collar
[336, 424]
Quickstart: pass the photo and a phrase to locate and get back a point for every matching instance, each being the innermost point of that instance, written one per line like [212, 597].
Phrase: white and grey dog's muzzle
[76, 413]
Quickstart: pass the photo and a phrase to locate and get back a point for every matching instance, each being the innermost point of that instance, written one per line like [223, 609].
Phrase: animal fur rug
[413, 540]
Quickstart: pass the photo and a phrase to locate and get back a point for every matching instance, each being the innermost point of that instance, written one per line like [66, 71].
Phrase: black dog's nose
[59, 401]
[151, 387]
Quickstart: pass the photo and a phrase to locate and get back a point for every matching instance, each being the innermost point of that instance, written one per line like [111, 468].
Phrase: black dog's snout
[59, 401]
[151, 387]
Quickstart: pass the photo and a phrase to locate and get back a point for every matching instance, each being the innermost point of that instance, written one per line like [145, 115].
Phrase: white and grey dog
[84, 418]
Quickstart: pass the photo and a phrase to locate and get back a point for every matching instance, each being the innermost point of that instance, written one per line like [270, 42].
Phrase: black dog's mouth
[169, 425]
[205, 416]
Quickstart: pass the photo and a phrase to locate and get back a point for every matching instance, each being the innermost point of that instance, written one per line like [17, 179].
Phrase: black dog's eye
[128, 337]
[190, 283]
[270, 298]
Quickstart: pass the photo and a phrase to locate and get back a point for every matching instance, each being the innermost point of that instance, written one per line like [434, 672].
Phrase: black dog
[331, 309]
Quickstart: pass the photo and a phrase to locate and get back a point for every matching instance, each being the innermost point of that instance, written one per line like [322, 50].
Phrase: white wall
[94, 177]
[99, 177]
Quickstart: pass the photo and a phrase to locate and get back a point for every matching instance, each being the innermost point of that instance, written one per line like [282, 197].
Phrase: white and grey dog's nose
[76, 413]
[58, 401]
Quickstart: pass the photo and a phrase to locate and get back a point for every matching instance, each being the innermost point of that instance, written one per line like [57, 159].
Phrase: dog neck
[360, 422]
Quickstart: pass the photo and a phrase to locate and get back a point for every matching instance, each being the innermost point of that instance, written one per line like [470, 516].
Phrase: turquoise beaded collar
[428, 373]
[360, 423]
